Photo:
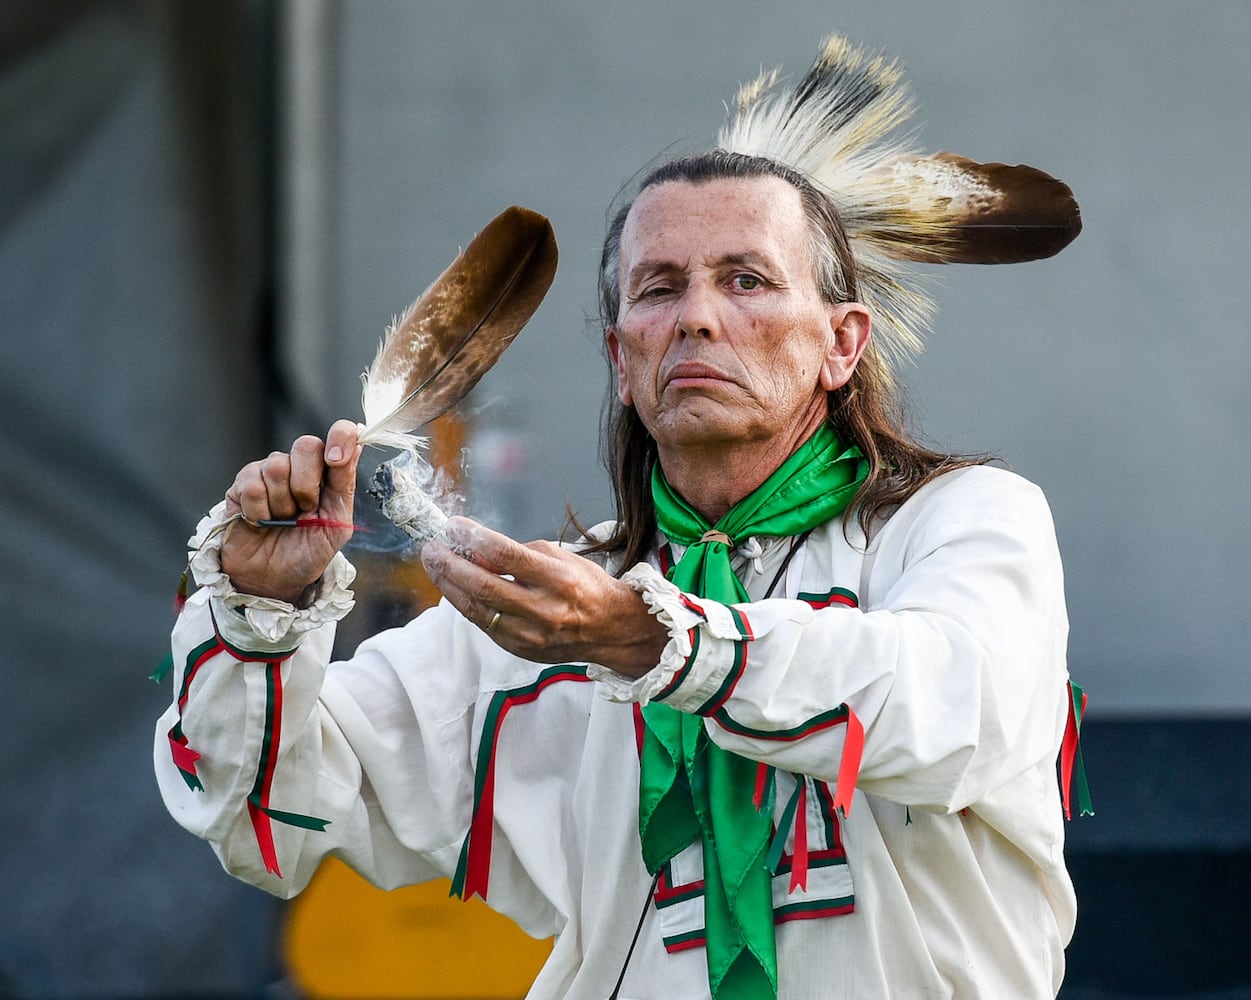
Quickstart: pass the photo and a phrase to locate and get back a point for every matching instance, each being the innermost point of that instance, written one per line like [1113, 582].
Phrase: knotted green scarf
[689, 787]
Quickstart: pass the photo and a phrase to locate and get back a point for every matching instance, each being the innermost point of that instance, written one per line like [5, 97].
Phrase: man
[798, 733]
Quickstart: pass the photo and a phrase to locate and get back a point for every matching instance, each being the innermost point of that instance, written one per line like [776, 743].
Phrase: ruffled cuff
[263, 623]
[665, 601]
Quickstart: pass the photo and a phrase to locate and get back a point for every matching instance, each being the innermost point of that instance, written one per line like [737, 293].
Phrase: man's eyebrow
[748, 258]
[653, 265]
[660, 265]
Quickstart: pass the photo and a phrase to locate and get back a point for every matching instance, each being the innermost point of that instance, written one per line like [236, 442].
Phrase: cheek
[786, 365]
[635, 366]
[781, 351]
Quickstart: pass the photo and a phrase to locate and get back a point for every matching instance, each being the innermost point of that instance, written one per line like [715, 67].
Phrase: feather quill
[434, 353]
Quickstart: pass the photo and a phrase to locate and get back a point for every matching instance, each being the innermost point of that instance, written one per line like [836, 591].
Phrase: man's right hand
[316, 480]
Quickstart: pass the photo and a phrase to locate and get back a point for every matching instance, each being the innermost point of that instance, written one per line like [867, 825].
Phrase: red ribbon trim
[686, 945]
[762, 781]
[264, 832]
[481, 826]
[261, 824]
[799, 860]
[184, 756]
[478, 862]
[819, 914]
[849, 765]
[665, 892]
[1068, 752]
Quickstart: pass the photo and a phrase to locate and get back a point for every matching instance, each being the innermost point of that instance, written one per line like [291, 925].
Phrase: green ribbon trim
[784, 826]
[193, 782]
[290, 818]
[162, 669]
[1085, 804]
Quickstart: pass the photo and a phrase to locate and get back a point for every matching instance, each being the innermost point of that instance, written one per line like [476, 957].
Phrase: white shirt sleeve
[279, 757]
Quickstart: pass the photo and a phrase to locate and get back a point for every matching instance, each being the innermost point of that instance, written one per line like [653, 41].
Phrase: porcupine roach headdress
[835, 127]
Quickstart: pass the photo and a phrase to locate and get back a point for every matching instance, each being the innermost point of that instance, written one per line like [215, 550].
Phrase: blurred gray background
[210, 212]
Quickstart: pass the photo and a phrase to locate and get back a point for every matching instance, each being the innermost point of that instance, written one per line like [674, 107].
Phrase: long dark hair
[865, 411]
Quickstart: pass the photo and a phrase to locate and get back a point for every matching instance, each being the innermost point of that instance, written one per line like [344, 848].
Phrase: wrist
[642, 637]
[298, 596]
[278, 612]
[677, 621]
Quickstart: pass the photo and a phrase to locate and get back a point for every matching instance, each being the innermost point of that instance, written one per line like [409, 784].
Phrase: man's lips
[687, 374]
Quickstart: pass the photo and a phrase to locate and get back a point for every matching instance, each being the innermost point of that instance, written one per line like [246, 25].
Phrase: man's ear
[850, 327]
[623, 380]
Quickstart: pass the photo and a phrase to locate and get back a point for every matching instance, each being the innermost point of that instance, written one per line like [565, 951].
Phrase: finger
[441, 565]
[233, 506]
[450, 570]
[248, 495]
[474, 611]
[491, 549]
[275, 474]
[341, 457]
[341, 442]
[475, 591]
[307, 470]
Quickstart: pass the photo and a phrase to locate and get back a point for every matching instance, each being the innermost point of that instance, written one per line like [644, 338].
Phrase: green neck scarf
[689, 788]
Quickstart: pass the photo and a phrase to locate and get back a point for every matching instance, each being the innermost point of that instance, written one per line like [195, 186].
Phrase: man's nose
[697, 312]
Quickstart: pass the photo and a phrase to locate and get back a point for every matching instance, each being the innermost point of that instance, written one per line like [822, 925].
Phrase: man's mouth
[691, 374]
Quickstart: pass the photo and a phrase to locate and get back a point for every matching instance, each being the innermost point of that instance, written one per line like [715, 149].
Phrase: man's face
[721, 336]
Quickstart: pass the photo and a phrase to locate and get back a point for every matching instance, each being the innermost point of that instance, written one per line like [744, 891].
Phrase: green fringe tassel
[162, 669]
[774, 857]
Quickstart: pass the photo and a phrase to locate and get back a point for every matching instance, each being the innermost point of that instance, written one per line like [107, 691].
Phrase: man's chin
[704, 426]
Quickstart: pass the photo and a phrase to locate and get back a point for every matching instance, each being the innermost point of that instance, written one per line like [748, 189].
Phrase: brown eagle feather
[450, 337]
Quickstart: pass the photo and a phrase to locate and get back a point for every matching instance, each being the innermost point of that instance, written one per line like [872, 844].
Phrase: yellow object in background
[346, 940]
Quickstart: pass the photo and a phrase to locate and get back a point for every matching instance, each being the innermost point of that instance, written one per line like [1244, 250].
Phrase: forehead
[689, 222]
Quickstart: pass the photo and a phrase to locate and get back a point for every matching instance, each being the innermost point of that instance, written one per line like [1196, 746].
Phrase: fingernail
[334, 454]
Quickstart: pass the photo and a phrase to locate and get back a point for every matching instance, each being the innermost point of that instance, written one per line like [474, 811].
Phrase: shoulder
[974, 535]
[974, 499]
[978, 488]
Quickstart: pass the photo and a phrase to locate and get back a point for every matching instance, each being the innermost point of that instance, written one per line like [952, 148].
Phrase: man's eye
[747, 282]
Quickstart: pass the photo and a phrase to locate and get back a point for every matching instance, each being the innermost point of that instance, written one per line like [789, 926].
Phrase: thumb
[341, 479]
[341, 458]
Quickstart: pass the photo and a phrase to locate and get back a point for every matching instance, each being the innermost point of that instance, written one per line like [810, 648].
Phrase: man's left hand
[553, 606]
